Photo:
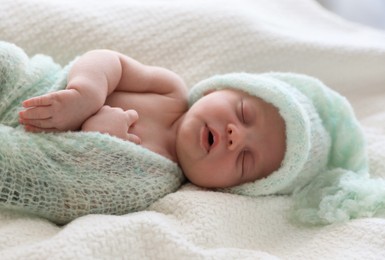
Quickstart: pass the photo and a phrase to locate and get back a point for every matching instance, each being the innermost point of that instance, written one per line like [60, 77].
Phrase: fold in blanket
[62, 176]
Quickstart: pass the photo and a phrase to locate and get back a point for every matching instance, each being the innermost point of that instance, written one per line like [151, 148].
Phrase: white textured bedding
[197, 39]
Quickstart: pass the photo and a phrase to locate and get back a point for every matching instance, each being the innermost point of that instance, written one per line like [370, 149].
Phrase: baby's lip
[205, 138]
[205, 132]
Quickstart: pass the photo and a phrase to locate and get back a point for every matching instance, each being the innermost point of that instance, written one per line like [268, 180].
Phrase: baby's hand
[113, 121]
[57, 111]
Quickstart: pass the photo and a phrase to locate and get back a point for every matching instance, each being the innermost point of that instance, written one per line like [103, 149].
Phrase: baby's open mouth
[210, 138]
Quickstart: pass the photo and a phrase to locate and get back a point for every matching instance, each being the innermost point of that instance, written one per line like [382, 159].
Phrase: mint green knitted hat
[317, 120]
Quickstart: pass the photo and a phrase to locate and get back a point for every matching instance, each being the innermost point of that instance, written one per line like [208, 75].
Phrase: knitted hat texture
[304, 103]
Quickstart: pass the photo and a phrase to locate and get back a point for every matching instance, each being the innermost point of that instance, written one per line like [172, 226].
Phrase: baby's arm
[113, 121]
[93, 77]
[90, 80]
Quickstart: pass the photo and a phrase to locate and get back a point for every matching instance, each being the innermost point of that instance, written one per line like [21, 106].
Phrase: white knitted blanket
[197, 39]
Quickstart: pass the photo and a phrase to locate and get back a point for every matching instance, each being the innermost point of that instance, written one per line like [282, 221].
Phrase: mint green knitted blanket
[63, 176]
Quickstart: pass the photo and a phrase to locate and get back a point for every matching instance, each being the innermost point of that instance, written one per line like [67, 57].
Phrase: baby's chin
[202, 181]
[197, 181]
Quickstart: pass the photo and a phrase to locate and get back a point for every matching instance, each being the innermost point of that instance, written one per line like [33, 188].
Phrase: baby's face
[228, 138]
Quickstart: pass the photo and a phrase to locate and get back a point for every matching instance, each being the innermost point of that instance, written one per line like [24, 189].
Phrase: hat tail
[339, 195]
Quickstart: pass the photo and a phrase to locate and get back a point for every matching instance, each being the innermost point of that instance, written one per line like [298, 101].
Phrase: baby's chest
[147, 128]
[154, 135]
[156, 117]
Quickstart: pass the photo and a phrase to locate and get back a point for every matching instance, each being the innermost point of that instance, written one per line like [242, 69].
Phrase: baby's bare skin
[106, 91]
[226, 138]
[113, 121]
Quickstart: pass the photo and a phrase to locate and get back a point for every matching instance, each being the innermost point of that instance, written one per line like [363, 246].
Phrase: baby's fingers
[35, 113]
[35, 129]
[44, 100]
[132, 117]
[134, 138]
[41, 124]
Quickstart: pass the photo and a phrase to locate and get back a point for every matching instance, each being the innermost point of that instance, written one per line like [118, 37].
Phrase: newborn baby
[225, 139]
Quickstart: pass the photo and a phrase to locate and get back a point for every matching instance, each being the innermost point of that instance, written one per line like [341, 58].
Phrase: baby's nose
[235, 137]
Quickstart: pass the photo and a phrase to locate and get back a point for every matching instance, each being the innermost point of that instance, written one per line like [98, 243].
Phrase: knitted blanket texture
[198, 39]
[63, 176]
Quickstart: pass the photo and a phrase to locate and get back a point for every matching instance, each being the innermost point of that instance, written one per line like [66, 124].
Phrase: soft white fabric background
[198, 39]
[368, 12]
